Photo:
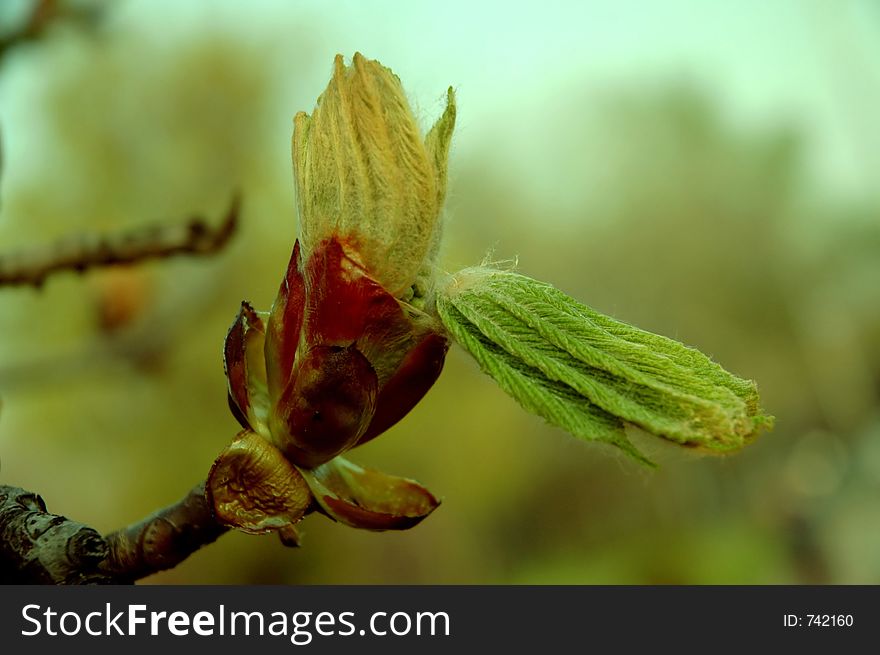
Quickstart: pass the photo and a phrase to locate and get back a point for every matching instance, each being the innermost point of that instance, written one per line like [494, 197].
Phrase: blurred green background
[708, 171]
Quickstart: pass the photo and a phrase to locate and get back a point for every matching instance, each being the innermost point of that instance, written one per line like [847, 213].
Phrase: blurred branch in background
[81, 252]
[39, 547]
[42, 15]
[35, 545]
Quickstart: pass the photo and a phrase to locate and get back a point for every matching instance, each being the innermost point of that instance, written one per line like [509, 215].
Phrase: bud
[365, 175]
[345, 360]
[328, 405]
[349, 346]
[252, 487]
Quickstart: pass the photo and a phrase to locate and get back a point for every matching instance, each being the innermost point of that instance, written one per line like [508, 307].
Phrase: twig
[44, 13]
[37, 547]
[79, 253]
[163, 540]
[41, 548]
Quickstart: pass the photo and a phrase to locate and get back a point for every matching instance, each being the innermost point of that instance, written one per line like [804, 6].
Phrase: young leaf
[548, 351]
[549, 399]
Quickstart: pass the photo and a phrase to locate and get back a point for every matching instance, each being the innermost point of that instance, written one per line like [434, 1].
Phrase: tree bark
[37, 547]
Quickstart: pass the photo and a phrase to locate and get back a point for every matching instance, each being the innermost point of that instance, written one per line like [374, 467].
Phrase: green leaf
[587, 373]
[553, 401]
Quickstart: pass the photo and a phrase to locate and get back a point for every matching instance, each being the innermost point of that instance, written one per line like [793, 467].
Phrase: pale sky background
[813, 65]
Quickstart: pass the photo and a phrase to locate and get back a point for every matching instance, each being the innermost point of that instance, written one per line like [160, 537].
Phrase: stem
[164, 539]
[37, 547]
[41, 548]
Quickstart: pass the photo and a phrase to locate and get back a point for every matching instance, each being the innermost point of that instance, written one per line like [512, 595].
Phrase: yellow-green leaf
[584, 371]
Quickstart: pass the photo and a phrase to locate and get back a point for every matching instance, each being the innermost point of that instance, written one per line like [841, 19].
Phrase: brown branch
[41, 548]
[43, 14]
[79, 253]
[163, 540]
[37, 547]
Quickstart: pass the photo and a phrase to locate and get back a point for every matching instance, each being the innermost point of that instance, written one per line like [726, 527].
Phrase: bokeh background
[708, 171]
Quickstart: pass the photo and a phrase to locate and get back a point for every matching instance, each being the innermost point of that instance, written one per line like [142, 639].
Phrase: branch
[38, 547]
[43, 14]
[43, 548]
[79, 253]
[163, 540]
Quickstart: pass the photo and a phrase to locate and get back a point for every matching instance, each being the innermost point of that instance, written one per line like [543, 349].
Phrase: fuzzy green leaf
[586, 372]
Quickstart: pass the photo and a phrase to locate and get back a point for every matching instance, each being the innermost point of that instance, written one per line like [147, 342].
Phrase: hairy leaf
[586, 372]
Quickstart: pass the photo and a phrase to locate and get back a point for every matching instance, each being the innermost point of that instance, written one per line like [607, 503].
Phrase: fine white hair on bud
[365, 174]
